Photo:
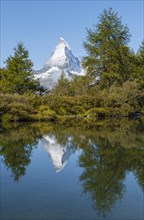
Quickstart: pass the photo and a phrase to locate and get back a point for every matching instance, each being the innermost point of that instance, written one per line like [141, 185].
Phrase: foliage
[45, 114]
[139, 65]
[16, 107]
[16, 147]
[79, 85]
[62, 86]
[108, 55]
[106, 158]
[17, 77]
[126, 98]
[113, 85]
[96, 113]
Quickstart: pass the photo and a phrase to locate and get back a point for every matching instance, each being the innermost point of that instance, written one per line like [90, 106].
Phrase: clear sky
[39, 24]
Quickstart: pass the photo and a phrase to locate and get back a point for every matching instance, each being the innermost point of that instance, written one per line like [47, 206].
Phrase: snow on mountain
[58, 153]
[61, 60]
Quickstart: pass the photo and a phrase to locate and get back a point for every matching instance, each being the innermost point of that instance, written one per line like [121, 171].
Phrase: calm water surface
[72, 173]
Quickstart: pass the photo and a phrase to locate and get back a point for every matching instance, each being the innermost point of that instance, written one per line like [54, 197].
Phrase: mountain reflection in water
[108, 151]
[59, 153]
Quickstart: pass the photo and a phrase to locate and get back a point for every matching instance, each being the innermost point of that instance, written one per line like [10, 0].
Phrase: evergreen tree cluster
[112, 86]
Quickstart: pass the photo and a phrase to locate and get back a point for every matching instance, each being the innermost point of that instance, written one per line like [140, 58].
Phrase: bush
[7, 117]
[20, 111]
[96, 113]
[45, 114]
[124, 111]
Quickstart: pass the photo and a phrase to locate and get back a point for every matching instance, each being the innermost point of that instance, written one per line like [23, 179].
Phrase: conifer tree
[108, 54]
[18, 72]
[62, 86]
[140, 65]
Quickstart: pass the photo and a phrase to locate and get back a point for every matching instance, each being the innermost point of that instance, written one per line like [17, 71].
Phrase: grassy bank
[32, 107]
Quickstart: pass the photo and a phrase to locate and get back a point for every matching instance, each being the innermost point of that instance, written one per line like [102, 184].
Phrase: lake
[53, 172]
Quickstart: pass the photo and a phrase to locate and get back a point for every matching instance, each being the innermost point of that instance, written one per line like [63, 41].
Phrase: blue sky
[39, 24]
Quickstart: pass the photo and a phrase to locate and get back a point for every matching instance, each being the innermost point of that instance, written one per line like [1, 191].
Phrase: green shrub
[96, 113]
[6, 117]
[20, 111]
[61, 111]
[45, 115]
[124, 111]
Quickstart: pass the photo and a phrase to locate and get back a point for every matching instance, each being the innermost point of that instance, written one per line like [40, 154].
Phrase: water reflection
[108, 152]
[59, 153]
[16, 145]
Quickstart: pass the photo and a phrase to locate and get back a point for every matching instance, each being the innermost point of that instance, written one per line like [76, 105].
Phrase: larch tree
[140, 65]
[108, 54]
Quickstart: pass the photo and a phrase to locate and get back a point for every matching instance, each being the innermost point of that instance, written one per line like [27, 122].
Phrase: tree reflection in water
[110, 154]
[16, 146]
[109, 151]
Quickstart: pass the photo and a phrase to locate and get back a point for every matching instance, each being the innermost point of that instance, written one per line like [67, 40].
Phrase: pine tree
[141, 53]
[108, 54]
[62, 87]
[18, 72]
[140, 65]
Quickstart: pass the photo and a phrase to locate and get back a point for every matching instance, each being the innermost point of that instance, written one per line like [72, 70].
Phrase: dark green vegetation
[17, 76]
[112, 87]
[109, 150]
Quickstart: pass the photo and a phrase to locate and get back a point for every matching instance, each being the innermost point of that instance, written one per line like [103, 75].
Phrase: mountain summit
[60, 60]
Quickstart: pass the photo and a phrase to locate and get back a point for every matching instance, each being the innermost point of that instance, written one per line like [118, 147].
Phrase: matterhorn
[60, 61]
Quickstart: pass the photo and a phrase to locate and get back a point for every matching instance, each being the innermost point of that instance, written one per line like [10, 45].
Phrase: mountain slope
[60, 60]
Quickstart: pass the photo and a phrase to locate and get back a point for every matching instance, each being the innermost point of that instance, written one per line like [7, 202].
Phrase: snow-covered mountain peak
[60, 60]
[60, 56]
[63, 42]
